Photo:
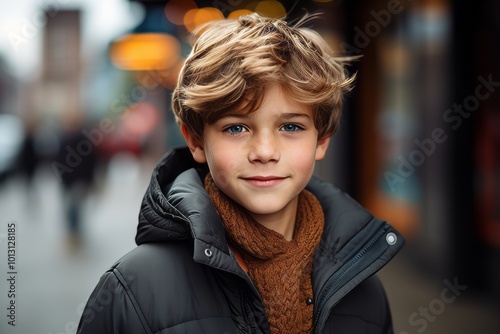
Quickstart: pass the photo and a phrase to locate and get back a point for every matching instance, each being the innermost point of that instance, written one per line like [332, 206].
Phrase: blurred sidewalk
[419, 304]
[54, 284]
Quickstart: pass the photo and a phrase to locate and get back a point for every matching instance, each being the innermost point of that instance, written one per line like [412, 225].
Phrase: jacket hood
[164, 215]
[176, 206]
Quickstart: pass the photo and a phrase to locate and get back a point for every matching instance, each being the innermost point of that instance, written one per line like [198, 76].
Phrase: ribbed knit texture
[280, 269]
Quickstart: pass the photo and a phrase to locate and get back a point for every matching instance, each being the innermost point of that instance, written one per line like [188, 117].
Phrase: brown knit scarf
[280, 269]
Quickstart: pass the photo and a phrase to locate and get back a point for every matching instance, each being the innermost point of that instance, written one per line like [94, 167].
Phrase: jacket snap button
[208, 252]
[391, 238]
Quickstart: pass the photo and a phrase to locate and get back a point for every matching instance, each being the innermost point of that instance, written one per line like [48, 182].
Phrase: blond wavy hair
[233, 62]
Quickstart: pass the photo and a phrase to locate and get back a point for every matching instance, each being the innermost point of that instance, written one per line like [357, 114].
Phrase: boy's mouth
[264, 181]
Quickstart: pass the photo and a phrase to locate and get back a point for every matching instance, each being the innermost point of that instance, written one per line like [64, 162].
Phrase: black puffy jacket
[183, 278]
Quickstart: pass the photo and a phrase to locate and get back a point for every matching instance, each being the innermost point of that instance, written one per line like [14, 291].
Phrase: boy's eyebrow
[285, 116]
[294, 115]
[235, 116]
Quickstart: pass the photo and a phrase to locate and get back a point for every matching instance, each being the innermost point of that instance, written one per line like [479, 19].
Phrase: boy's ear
[194, 145]
[322, 147]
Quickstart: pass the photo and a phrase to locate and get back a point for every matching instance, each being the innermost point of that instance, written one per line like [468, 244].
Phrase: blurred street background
[85, 114]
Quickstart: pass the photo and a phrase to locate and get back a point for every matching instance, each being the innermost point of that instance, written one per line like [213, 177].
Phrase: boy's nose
[263, 149]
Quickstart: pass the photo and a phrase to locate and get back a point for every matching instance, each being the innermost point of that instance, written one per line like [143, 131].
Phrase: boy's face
[264, 159]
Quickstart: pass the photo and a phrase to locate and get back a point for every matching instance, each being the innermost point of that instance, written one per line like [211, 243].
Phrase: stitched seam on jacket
[132, 299]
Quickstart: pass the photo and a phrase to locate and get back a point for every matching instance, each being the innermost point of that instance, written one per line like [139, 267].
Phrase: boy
[235, 234]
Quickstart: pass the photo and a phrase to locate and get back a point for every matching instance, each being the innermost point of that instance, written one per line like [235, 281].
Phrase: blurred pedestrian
[75, 165]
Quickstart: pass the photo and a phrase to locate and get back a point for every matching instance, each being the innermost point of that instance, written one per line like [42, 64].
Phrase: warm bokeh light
[194, 18]
[189, 19]
[239, 12]
[145, 51]
[269, 8]
[176, 9]
[166, 78]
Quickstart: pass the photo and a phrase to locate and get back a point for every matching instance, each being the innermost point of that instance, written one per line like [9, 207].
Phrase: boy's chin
[266, 208]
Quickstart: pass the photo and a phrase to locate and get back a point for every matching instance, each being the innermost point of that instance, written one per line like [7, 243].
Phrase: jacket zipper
[340, 278]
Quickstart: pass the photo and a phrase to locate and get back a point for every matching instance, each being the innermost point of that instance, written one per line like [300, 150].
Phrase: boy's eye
[233, 129]
[291, 127]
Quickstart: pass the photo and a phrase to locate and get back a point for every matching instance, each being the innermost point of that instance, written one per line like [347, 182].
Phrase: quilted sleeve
[111, 308]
